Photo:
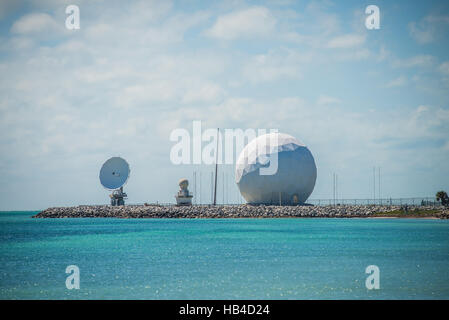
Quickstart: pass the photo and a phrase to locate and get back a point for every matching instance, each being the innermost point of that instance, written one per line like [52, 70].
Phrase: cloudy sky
[135, 71]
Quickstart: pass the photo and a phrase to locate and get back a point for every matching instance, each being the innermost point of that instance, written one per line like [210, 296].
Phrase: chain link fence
[420, 201]
[417, 201]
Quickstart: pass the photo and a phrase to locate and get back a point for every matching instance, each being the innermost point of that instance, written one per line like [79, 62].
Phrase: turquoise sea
[222, 258]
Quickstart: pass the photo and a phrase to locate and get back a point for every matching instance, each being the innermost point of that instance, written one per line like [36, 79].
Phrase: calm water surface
[223, 258]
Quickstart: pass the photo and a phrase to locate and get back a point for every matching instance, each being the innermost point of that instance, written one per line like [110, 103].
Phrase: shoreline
[246, 211]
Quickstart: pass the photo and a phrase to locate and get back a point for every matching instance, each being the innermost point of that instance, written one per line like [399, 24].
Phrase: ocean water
[222, 258]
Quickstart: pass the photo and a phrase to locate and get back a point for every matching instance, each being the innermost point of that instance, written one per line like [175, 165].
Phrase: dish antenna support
[113, 175]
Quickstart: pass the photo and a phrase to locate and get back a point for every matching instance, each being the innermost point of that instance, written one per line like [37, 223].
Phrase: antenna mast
[216, 167]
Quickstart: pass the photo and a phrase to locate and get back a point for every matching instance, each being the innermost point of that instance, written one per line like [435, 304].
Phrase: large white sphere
[292, 183]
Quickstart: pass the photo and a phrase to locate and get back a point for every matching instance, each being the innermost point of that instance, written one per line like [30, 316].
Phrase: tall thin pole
[194, 187]
[228, 194]
[216, 167]
[211, 187]
[378, 183]
[374, 185]
[227, 188]
[336, 188]
[223, 186]
[333, 187]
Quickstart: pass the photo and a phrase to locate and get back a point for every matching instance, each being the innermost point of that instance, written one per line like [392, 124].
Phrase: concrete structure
[291, 184]
[183, 198]
[118, 197]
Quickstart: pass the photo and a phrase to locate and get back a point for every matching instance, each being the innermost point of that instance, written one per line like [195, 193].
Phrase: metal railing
[417, 201]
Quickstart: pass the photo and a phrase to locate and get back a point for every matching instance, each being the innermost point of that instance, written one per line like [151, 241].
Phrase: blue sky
[135, 71]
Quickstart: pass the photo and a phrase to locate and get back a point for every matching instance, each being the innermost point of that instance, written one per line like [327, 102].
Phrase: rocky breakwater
[236, 211]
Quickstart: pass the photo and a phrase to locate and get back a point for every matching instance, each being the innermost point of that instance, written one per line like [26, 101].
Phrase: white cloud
[327, 123]
[170, 30]
[353, 55]
[274, 65]
[36, 23]
[326, 100]
[383, 54]
[207, 92]
[346, 41]
[416, 61]
[444, 68]
[121, 84]
[323, 20]
[428, 122]
[398, 82]
[173, 29]
[19, 43]
[251, 22]
[421, 35]
[429, 29]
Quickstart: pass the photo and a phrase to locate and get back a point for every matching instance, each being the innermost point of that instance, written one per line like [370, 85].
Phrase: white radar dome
[275, 169]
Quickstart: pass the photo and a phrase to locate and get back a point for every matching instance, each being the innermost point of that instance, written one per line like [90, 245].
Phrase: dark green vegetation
[442, 197]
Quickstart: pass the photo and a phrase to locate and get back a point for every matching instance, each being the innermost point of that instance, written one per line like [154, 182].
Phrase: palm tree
[443, 197]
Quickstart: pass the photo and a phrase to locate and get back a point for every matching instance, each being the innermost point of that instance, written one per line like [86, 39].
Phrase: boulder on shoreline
[237, 211]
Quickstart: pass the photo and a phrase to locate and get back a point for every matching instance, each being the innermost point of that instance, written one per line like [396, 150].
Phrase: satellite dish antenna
[113, 175]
